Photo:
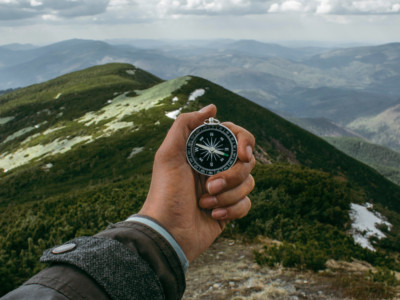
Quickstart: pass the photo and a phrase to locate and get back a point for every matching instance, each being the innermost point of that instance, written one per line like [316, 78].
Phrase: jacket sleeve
[128, 260]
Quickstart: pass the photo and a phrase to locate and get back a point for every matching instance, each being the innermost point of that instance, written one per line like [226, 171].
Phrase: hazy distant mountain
[8, 58]
[6, 91]
[18, 47]
[247, 47]
[323, 127]
[374, 68]
[166, 59]
[258, 49]
[355, 68]
[339, 105]
[21, 68]
[372, 55]
[383, 128]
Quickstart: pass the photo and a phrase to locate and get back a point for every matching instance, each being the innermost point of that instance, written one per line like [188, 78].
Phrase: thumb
[175, 141]
[204, 113]
[187, 122]
[194, 119]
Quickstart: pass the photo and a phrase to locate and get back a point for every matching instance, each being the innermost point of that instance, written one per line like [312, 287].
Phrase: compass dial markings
[211, 149]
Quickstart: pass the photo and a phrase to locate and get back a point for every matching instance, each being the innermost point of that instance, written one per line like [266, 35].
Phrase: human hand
[192, 207]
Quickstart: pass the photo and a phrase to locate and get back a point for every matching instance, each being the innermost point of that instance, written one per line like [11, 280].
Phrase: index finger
[246, 141]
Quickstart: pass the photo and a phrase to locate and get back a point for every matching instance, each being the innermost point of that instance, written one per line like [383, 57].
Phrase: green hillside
[287, 142]
[76, 153]
[384, 160]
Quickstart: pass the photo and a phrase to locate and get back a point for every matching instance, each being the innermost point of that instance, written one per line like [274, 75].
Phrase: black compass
[211, 148]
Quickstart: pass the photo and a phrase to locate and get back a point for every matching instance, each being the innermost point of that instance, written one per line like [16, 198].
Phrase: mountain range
[76, 153]
[347, 86]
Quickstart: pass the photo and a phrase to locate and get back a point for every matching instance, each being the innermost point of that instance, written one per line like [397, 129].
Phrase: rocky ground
[227, 271]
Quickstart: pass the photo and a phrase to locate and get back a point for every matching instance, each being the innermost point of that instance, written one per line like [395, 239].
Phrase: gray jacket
[128, 260]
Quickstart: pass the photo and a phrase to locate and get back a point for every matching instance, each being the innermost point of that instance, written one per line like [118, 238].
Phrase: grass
[381, 284]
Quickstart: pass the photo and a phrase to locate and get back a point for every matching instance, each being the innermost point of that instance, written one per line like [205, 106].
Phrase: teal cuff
[165, 234]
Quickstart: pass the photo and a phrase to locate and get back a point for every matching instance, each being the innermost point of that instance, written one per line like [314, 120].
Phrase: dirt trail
[227, 271]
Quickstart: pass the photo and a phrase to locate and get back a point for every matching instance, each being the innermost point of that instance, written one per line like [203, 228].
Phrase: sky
[42, 22]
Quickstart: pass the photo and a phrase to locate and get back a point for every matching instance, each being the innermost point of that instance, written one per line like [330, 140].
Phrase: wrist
[156, 226]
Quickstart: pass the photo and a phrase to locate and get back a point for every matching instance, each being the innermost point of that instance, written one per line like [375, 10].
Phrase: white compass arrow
[212, 150]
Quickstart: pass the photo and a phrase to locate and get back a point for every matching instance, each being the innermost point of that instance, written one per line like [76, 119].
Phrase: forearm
[157, 250]
[128, 260]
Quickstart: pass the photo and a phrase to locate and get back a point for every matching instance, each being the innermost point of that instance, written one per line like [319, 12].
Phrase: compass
[211, 148]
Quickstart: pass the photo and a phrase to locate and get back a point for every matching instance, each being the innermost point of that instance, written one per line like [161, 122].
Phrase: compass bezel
[193, 160]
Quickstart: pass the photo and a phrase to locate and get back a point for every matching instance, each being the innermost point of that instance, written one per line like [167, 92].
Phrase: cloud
[337, 7]
[211, 7]
[48, 9]
[165, 8]
[173, 8]
[125, 11]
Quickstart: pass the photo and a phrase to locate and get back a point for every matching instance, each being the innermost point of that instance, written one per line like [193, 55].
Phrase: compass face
[211, 148]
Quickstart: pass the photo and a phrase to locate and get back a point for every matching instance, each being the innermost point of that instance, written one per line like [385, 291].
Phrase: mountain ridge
[304, 186]
[352, 82]
[310, 157]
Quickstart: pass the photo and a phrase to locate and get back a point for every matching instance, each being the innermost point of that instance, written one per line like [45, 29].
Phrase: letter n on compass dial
[211, 149]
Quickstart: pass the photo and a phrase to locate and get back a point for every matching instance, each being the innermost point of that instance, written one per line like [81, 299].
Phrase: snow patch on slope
[197, 93]
[6, 120]
[111, 118]
[192, 97]
[18, 134]
[23, 156]
[114, 126]
[50, 130]
[23, 131]
[174, 114]
[123, 105]
[364, 225]
[135, 151]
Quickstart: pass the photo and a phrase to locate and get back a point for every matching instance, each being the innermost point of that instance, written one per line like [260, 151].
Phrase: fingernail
[219, 213]
[249, 152]
[208, 202]
[205, 108]
[216, 186]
